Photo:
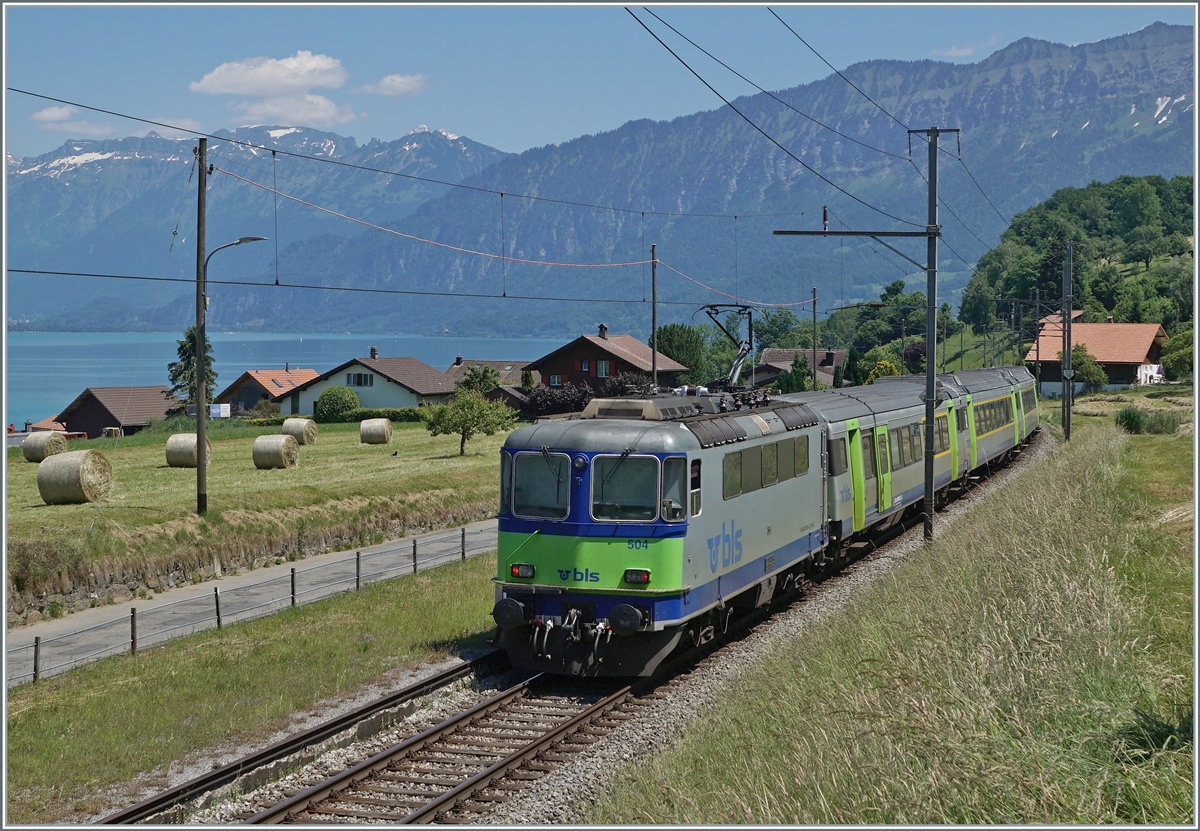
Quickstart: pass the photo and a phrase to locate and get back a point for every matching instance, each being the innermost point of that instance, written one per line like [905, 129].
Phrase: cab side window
[837, 456]
[695, 487]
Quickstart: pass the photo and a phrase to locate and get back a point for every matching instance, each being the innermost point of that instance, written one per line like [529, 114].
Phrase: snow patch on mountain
[450, 136]
[1086, 123]
[420, 128]
[1161, 102]
[282, 132]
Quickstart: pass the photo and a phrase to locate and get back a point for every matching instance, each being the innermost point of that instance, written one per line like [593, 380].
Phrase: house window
[585, 365]
[360, 379]
[556, 380]
[602, 369]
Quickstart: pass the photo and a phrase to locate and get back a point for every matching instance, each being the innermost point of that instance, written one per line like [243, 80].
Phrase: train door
[883, 480]
[870, 477]
[1014, 401]
[951, 426]
[857, 474]
[972, 432]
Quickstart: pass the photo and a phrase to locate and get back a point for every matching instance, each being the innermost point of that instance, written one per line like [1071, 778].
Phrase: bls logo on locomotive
[585, 576]
[727, 545]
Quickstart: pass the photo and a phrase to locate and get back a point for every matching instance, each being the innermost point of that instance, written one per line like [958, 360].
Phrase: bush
[1137, 420]
[264, 408]
[265, 421]
[1131, 419]
[570, 398]
[408, 414]
[334, 403]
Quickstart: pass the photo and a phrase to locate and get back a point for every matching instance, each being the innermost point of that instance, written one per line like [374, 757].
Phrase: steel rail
[228, 773]
[304, 799]
[447, 801]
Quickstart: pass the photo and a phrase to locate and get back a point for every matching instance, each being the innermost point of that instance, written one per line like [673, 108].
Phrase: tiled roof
[626, 347]
[276, 382]
[781, 358]
[410, 373]
[1108, 343]
[131, 406]
[1056, 317]
[510, 371]
[51, 423]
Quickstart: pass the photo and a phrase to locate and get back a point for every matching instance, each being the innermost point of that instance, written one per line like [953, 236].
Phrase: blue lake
[45, 371]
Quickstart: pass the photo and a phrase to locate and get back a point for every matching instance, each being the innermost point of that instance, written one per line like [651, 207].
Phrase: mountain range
[707, 189]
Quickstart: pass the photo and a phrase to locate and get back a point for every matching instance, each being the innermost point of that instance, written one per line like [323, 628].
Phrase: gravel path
[565, 796]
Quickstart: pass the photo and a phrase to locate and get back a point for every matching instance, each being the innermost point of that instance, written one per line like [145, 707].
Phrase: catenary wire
[747, 119]
[772, 95]
[368, 169]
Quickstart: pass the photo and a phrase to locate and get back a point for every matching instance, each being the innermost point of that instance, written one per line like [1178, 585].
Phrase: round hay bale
[74, 478]
[276, 451]
[181, 450]
[303, 430]
[39, 445]
[375, 431]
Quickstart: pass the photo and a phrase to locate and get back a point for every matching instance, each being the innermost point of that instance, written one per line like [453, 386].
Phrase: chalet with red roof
[593, 359]
[256, 385]
[1129, 352]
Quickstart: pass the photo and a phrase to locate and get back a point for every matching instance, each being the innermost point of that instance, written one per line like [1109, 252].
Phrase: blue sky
[513, 77]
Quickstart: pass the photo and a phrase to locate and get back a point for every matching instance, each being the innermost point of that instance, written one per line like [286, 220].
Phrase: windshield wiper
[624, 454]
[550, 464]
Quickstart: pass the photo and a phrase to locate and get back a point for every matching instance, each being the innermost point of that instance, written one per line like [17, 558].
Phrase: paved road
[106, 630]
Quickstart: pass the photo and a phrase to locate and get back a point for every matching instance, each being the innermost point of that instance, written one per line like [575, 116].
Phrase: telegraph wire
[981, 191]
[731, 296]
[792, 155]
[873, 249]
[772, 95]
[946, 205]
[367, 169]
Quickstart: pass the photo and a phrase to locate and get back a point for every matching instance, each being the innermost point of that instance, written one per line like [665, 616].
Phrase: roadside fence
[149, 627]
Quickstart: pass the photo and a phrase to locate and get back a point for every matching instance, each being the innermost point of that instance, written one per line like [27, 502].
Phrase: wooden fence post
[37, 655]
[414, 556]
[133, 631]
[464, 545]
[217, 601]
[293, 585]
[357, 570]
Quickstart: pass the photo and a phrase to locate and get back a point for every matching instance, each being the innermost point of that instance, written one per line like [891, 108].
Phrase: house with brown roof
[379, 382]
[777, 360]
[1129, 352]
[128, 408]
[509, 371]
[256, 385]
[593, 359]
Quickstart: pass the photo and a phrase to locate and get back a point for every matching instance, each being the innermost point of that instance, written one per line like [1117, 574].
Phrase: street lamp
[199, 356]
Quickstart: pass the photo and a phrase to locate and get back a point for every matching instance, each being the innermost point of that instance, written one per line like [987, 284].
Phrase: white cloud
[58, 119]
[394, 85]
[271, 77]
[311, 110]
[955, 51]
[55, 113]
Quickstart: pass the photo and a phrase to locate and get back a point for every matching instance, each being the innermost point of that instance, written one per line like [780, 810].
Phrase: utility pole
[199, 356]
[1068, 374]
[930, 232]
[814, 366]
[654, 318]
[1037, 339]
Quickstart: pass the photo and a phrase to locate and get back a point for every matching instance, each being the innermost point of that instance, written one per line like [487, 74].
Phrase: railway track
[462, 767]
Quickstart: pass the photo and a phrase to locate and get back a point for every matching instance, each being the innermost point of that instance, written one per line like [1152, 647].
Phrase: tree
[978, 305]
[623, 384]
[480, 379]
[838, 377]
[569, 398]
[1177, 354]
[854, 369]
[182, 373]
[795, 379]
[881, 369]
[467, 414]
[1087, 371]
[333, 404]
[527, 384]
[687, 345]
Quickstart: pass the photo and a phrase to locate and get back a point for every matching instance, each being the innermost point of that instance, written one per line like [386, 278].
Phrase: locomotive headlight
[523, 570]
[580, 462]
[637, 576]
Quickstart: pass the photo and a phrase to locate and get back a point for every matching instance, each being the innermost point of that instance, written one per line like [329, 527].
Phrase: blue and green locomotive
[645, 523]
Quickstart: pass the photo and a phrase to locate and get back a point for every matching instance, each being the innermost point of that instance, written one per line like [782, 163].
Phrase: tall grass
[72, 736]
[1002, 675]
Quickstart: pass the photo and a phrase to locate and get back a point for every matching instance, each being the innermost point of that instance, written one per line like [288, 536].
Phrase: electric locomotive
[642, 524]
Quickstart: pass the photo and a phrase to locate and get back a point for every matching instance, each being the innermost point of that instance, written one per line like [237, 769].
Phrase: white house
[379, 382]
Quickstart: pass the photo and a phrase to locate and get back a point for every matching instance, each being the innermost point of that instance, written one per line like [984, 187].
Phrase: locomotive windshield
[625, 487]
[541, 485]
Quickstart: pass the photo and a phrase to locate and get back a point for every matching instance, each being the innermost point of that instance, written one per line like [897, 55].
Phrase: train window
[917, 439]
[868, 457]
[894, 435]
[625, 488]
[881, 436]
[731, 475]
[674, 495]
[541, 485]
[751, 469]
[696, 487]
[943, 433]
[786, 459]
[903, 446]
[801, 455]
[770, 464]
[837, 457]
[505, 481]
[960, 417]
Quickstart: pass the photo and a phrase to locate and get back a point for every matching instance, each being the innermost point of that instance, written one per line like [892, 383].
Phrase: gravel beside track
[563, 797]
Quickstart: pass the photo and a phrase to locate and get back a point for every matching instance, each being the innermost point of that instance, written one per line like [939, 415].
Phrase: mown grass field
[1033, 666]
[73, 736]
[341, 488]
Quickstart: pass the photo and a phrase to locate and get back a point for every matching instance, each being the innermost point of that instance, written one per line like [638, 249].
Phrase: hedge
[410, 414]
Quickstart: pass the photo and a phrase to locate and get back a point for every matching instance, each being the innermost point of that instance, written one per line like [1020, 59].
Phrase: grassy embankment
[73, 736]
[342, 493]
[1033, 666]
